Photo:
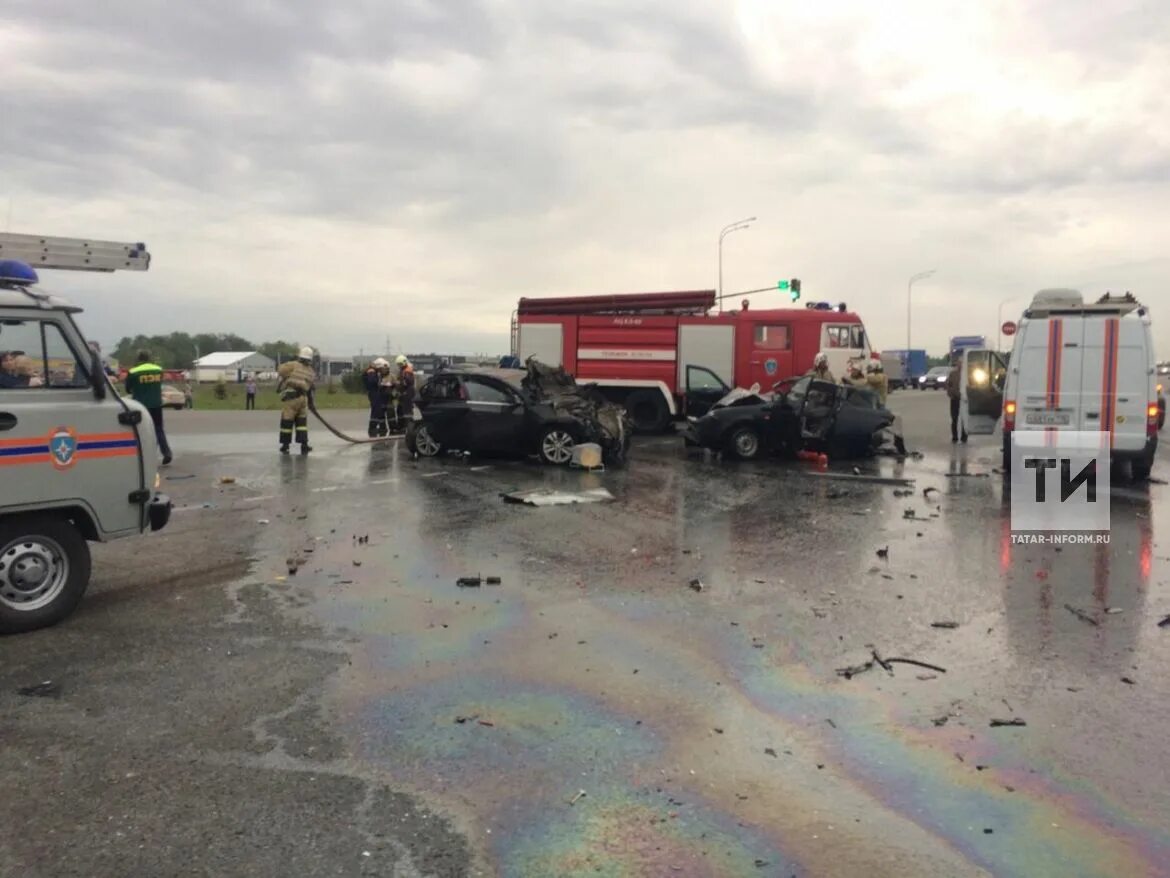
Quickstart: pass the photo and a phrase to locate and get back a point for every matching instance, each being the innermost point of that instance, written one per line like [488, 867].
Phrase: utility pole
[922, 275]
[723, 233]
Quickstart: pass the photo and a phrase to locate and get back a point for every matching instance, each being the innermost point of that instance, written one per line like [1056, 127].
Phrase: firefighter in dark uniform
[374, 381]
[296, 387]
[405, 391]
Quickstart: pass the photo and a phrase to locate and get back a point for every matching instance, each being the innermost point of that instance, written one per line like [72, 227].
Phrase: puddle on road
[630, 714]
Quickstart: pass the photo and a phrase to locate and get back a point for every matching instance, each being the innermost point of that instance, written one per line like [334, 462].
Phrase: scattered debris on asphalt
[941, 720]
[486, 722]
[1082, 615]
[850, 477]
[885, 664]
[1164, 622]
[903, 492]
[466, 719]
[550, 497]
[917, 664]
[179, 478]
[44, 689]
[768, 751]
[263, 521]
[1113, 611]
[227, 480]
[580, 795]
[883, 553]
[1129, 680]
[696, 585]
[469, 581]
[926, 491]
[944, 624]
[1014, 721]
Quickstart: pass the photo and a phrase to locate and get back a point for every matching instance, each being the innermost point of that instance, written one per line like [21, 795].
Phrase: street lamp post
[909, 288]
[723, 233]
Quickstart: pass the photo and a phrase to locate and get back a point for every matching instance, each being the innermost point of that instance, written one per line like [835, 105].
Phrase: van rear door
[1116, 380]
[982, 375]
[1049, 391]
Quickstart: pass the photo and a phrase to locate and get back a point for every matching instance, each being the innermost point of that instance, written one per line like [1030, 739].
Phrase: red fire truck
[666, 355]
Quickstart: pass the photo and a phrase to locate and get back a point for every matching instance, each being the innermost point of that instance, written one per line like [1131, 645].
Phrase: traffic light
[781, 284]
[793, 288]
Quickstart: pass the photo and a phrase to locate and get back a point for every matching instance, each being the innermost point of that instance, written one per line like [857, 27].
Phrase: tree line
[180, 349]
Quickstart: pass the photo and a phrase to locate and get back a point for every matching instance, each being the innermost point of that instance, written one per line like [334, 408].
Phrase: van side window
[773, 338]
[34, 353]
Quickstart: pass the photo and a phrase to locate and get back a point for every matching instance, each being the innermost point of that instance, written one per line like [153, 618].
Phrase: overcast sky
[341, 172]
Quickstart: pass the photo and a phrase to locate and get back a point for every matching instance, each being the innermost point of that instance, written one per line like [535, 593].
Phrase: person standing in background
[144, 383]
[955, 392]
[250, 393]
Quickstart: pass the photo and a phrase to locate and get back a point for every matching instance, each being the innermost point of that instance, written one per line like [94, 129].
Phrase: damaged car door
[445, 410]
[818, 411]
[496, 414]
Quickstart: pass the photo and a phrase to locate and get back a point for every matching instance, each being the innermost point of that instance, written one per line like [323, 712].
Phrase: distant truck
[911, 365]
[960, 343]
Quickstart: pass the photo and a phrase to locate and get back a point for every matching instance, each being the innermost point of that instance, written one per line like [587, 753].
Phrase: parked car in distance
[173, 398]
[804, 414]
[538, 411]
[935, 379]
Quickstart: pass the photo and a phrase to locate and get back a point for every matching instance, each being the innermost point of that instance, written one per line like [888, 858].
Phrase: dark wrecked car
[537, 411]
[802, 414]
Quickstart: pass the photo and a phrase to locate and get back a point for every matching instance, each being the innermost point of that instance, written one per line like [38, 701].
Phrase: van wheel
[1006, 459]
[1140, 469]
[44, 571]
[648, 411]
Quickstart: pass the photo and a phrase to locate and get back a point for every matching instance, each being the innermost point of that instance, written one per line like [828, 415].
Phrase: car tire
[556, 445]
[44, 571]
[648, 411]
[744, 442]
[1006, 455]
[419, 441]
[1140, 468]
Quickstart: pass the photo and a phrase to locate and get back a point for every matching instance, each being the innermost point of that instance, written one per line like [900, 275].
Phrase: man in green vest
[144, 383]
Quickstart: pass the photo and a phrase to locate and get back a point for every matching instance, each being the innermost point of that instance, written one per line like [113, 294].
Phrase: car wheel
[556, 446]
[744, 442]
[648, 411]
[420, 441]
[44, 571]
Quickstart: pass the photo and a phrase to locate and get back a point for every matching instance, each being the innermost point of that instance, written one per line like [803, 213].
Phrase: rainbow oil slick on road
[594, 716]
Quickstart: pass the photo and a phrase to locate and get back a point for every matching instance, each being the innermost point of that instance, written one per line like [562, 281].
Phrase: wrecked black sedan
[518, 412]
[802, 414]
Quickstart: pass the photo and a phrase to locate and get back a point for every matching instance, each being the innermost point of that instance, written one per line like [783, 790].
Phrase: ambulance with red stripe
[1074, 366]
[78, 463]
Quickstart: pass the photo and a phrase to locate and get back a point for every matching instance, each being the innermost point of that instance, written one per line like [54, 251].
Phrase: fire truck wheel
[744, 443]
[44, 571]
[648, 411]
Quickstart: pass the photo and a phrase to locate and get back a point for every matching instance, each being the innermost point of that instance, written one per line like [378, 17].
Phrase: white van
[1074, 366]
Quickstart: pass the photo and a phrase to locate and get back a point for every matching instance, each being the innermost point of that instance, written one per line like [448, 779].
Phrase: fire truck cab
[665, 355]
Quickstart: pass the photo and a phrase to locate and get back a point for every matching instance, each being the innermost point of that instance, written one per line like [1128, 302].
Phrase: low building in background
[232, 367]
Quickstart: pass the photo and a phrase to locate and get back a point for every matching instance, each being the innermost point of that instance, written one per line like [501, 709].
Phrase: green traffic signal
[781, 284]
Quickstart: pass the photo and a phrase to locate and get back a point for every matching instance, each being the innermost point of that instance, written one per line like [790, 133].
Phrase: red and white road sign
[1008, 328]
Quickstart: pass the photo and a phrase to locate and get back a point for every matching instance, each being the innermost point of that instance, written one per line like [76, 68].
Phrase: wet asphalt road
[593, 714]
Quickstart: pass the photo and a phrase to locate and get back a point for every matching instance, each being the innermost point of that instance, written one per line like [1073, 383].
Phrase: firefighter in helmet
[820, 369]
[405, 390]
[296, 389]
[375, 381]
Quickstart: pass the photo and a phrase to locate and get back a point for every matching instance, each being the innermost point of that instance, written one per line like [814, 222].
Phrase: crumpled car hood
[742, 396]
[606, 423]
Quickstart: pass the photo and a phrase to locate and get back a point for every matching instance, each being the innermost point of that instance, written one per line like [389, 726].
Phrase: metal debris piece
[1113, 611]
[492, 580]
[926, 491]
[853, 670]
[1164, 622]
[469, 581]
[916, 663]
[941, 720]
[1129, 680]
[944, 624]
[696, 585]
[883, 553]
[1014, 721]
[1082, 615]
[44, 689]
[549, 497]
[580, 795]
[768, 751]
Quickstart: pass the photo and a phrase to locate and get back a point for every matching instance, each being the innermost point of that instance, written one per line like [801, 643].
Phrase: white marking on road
[433, 475]
[384, 481]
[479, 469]
[327, 489]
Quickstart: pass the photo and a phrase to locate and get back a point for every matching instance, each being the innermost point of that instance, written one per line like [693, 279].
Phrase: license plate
[1047, 419]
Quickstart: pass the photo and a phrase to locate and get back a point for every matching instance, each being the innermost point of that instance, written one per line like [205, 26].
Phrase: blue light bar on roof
[20, 273]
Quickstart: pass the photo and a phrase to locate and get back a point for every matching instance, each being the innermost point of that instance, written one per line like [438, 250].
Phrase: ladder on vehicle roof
[73, 254]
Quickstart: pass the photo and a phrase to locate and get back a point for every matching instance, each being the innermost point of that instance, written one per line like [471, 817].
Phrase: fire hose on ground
[370, 441]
